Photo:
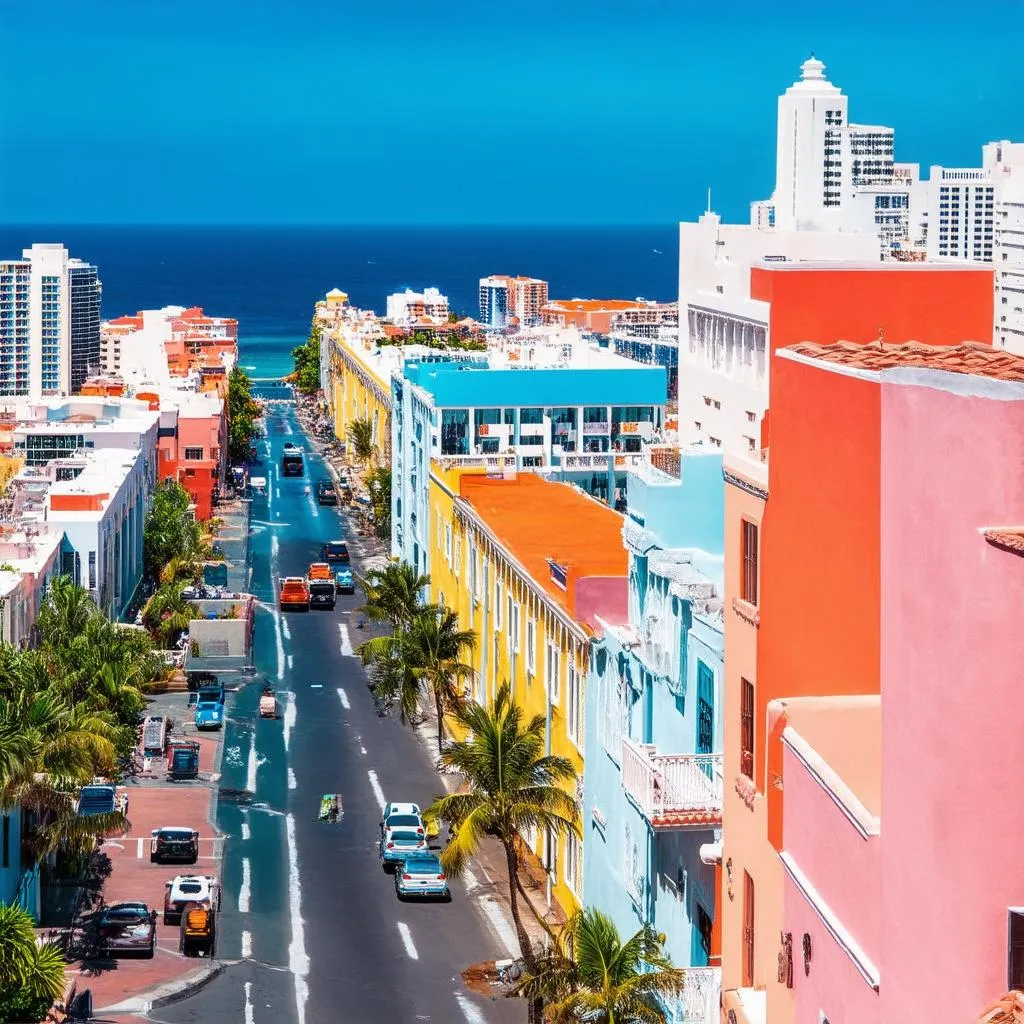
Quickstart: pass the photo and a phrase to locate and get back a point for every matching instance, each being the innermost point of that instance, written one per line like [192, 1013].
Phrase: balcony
[673, 790]
[700, 999]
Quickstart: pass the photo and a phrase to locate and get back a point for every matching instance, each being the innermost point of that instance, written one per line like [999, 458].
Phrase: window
[748, 931]
[193, 454]
[704, 931]
[551, 852]
[748, 589]
[531, 646]
[471, 579]
[573, 866]
[440, 600]
[1015, 950]
[477, 570]
[92, 570]
[448, 543]
[747, 728]
[499, 598]
[574, 699]
[553, 672]
[458, 556]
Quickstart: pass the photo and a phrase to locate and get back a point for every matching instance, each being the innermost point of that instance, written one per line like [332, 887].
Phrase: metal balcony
[700, 1001]
[673, 790]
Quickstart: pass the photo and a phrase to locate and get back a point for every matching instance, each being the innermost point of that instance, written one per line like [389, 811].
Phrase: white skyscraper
[49, 322]
[1006, 160]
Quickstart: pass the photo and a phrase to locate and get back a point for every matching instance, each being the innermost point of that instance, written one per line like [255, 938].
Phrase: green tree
[589, 974]
[243, 413]
[31, 975]
[511, 786]
[394, 594]
[167, 614]
[378, 481]
[360, 436]
[306, 360]
[171, 531]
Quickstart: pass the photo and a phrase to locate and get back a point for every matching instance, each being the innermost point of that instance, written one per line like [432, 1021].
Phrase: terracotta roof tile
[1011, 540]
[688, 819]
[970, 358]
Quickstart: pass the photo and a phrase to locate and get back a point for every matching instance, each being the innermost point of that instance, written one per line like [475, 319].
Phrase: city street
[308, 911]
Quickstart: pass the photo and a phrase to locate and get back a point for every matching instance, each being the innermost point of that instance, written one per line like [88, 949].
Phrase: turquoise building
[19, 879]
[575, 414]
[653, 777]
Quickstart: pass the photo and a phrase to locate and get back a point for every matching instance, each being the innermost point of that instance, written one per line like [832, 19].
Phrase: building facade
[407, 308]
[529, 566]
[494, 301]
[582, 418]
[49, 322]
[653, 792]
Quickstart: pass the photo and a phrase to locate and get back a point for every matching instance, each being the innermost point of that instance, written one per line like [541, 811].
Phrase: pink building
[902, 839]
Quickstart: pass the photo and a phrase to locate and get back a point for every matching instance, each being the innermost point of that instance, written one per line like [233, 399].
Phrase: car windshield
[405, 837]
[209, 704]
[322, 586]
[337, 547]
[402, 819]
[423, 866]
[173, 836]
[326, 488]
[134, 912]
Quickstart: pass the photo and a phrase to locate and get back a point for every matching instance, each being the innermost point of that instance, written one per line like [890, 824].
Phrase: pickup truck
[209, 713]
[183, 889]
[294, 594]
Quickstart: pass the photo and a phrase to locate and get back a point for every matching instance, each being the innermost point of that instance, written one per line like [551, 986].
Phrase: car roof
[423, 858]
[129, 905]
[175, 828]
[293, 579]
[396, 807]
[341, 542]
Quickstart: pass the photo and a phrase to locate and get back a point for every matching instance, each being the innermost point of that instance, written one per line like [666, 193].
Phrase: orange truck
[294, 594]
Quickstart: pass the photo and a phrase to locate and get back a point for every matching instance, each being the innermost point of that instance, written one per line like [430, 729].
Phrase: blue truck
[98, 799]
[209, 706]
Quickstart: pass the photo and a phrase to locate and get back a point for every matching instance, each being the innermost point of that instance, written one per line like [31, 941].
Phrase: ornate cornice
[744, 485]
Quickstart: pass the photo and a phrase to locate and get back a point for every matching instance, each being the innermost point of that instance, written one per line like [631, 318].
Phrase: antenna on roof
[881, 337]
[709, 199]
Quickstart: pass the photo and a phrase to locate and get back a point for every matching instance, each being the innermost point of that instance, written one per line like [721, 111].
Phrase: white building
[723, 331]
[494, 300]
[49, 322]
[1007, 161]
[29, 560]
[409, 308]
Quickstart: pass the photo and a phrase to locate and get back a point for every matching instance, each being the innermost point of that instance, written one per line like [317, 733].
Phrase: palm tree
[511, 786]
[30, 973]
[434, 646]
[167, 613]
[393, 594]
[591, 975]
[360, 434]
[181, 568]
[65, 612]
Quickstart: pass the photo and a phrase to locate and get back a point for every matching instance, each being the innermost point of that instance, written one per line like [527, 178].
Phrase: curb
[170, 992]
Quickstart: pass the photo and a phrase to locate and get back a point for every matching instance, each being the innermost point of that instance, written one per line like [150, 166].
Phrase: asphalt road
[307, 910]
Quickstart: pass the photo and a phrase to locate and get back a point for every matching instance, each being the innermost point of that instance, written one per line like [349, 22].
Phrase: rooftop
[1007, 538]
[970, 358]
[536, 520]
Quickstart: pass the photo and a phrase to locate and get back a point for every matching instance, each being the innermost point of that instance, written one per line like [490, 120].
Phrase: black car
[326, 494]
[127, 928]
[174, 844]
[322, 594]
[335, 551]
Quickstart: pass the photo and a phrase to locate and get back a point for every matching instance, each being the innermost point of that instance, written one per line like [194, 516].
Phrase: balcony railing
[700, 999]
[673, 790]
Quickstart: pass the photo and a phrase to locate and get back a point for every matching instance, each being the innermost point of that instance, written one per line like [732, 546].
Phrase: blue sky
[468, 111]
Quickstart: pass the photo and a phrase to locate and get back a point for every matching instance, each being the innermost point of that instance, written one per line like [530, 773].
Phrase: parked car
[399, 843]
[183, 889]
[174, 843]
[294, 594]
[209, 712]
[326, 494]
[421, 876]
[335, 551]
[319, 571]
[344, 581]
[399, 807]
[127, 928]
[197, 934]
[183, 759]
[98, 799]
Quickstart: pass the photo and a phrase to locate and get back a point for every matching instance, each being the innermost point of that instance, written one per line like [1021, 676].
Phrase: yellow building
[360, 387]
[527, 565]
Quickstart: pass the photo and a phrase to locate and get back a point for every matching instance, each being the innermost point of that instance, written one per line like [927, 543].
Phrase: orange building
[586, 314]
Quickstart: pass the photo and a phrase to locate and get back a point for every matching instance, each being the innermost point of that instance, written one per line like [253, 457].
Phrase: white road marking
[275, 546]
[277, 492]
[286, 629]
[139, 854]
[494, 914]
[245, 892]
[250, 774]
[298, 961]
[246, 831]
[316, 686]
[410, 946]
[292, 782]
[469, 1011]
[280, 644]
[362, 750]
[250, 1011]
[346, 643]
[290, 714]
[291, 663]
[470, 879]
[247, 946]
[378, 793]
[343, 697]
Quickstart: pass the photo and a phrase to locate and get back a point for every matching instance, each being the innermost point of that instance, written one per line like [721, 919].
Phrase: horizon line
[12, 225]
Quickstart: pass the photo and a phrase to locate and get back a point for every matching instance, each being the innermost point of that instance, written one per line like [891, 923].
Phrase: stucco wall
[952, 649]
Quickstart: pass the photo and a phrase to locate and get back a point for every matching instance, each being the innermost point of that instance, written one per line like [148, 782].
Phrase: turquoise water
[266, 356]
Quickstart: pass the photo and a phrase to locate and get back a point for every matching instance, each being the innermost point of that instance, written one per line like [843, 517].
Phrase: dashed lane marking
[245, 892]
[343, 697]
[247, 944]
[292, 782]
[346, 643]
[378, 793]
[410, 946]
[469, 1011]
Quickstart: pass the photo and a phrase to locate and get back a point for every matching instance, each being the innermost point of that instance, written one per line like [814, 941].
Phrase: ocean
[269, 277]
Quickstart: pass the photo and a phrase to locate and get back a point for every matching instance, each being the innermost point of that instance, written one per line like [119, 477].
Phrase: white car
[183, 889]
[400, 815]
